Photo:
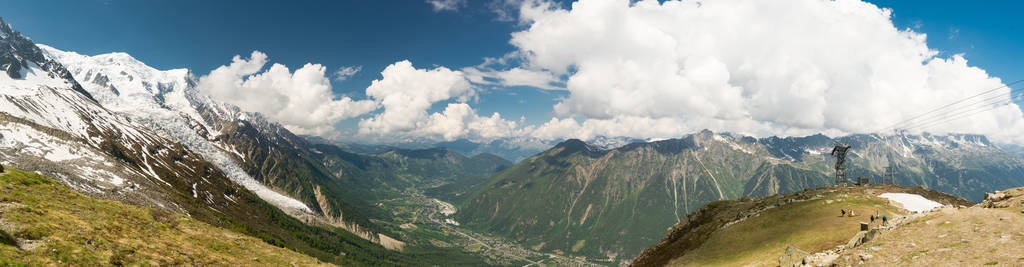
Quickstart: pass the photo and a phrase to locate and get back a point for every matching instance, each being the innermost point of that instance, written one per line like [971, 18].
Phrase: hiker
[872, 219]
[885, 220]
[843, 213]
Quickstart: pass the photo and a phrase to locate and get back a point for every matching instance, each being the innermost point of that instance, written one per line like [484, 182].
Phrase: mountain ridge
[581, 200]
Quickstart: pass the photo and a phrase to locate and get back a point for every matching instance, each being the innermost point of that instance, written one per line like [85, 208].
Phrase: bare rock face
[1008, 198]
[997, 196]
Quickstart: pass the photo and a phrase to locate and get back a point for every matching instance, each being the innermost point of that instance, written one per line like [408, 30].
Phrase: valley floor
[426, 220]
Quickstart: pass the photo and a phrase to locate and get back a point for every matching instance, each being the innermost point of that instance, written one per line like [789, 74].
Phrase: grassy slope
[810, 226]
[82, 230]
[807, 223]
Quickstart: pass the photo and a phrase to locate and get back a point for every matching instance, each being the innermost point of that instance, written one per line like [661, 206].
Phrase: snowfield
[18, 140]
[31, 78]
[912, 202]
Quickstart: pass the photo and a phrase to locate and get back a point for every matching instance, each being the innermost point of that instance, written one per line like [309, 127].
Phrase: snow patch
[731, 144]
[26, 141]
[60, 154]
[31, 79]
[911, 202]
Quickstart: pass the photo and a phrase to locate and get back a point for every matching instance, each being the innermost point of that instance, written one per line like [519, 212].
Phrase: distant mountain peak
[22, 61]
[573, 145]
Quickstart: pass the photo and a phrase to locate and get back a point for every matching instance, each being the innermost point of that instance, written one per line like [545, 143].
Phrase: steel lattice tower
[839, 151]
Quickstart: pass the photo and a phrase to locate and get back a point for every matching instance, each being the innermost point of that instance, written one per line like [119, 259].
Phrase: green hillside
[602, 204]
[45, 223]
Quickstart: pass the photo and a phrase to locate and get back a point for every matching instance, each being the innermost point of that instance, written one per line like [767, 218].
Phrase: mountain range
[111, 127]
[579, 199]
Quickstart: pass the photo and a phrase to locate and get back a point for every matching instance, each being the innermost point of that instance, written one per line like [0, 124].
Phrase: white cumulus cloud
[407, 93]
[644, 69]
[301, 101]
[459, 120]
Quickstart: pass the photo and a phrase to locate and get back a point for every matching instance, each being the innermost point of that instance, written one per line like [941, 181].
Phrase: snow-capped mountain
[165, 102]
[148, 138]
[49, 119]
[264, 157]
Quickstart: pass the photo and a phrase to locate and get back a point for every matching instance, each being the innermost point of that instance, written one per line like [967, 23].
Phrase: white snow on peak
[163, 102]
[31, 78]
[817, 151]
[731, 144]
[118, 81]
[911, 202]
[65, 109]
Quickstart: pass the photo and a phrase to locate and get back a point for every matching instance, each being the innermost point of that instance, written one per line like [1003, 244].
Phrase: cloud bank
[646, 69]
[301, 101]
[757, 67]
[397, 108]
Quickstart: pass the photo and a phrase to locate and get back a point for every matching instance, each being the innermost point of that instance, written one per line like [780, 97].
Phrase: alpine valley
[140, 148]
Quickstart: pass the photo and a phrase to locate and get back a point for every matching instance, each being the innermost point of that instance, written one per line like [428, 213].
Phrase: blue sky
[988, 33]
[202, 35]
